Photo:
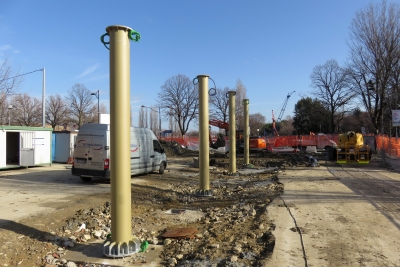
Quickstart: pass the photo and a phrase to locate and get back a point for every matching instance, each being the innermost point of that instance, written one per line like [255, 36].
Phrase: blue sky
[271, 46]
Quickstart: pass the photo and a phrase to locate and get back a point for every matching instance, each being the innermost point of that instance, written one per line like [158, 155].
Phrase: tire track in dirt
[380, 190]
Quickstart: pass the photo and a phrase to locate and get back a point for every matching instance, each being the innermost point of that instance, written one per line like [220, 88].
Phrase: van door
[97, 154]
[145, 153]
[81, 151]
[157, 155]
[26, 151]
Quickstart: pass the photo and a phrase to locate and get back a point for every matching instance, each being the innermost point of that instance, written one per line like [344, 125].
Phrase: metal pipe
[97, 95]
[44, 99]
[204, 163]
[122, 243]
[98, 106]
[246, 137]
[232, 132]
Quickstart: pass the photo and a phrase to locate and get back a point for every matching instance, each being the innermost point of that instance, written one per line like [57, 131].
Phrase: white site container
[24, 146]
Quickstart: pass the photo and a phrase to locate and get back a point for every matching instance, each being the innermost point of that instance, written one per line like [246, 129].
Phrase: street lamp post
[159, 120]
[159, 117]
[10, 107]
[97, 94]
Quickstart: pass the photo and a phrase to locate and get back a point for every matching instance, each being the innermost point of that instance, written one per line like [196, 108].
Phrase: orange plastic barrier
[391, 145]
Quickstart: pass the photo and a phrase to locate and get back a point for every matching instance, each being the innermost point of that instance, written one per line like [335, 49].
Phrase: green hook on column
[132, 34]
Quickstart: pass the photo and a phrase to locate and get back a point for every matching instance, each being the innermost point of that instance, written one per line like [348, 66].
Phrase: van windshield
[157, 146]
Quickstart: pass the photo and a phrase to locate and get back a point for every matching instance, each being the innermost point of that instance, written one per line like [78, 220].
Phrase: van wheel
[86, 178]
[162, 168]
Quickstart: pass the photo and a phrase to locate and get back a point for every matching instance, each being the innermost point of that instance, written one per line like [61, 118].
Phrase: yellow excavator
[351, 148]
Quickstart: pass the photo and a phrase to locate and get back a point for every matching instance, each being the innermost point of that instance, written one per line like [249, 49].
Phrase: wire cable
[20, 75]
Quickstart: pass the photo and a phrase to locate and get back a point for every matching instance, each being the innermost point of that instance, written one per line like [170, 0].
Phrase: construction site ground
[277, 212]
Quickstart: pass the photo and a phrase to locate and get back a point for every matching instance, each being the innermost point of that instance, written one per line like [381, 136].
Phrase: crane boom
[284, 107]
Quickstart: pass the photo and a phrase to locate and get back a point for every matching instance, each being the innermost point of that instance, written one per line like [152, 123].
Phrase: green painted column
[232, 132]
[204, 150]
[122, 242]
[246, 137]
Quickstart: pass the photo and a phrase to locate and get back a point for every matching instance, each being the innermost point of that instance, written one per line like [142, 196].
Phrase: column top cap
[118, 27]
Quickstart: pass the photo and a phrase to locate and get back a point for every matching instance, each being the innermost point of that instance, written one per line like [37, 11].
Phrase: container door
[53, 147]
[26, 152]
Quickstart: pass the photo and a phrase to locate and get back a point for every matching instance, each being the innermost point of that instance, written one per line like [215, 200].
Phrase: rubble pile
[232, 226]
[229, 228]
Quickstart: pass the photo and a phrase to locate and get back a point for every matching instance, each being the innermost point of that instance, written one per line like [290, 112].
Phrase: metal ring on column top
[212, 91]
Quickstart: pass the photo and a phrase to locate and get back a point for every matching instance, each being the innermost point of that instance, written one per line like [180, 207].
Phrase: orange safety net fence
[391, 145]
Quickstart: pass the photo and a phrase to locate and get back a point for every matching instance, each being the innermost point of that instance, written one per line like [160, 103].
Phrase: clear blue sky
[271, 46]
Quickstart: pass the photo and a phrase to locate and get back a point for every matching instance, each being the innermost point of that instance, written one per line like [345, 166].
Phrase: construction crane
[275, 122]
[284, 107]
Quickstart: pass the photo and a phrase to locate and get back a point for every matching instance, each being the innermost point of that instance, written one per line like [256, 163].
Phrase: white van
[92, 152]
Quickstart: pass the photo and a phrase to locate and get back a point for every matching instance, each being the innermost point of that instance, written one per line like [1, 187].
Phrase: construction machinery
[256, 144]
[351, 148]
[275, 123]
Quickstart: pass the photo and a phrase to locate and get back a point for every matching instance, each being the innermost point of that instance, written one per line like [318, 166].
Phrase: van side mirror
[162, 150]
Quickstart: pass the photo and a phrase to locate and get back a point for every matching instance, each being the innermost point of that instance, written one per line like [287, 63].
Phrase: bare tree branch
[374, 56]
[81, 106]
[56, 111]
[331, 88]
[179, 100]
[27, 110]
[9, 83]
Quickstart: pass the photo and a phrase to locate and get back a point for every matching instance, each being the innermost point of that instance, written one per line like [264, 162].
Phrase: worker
[311, 161]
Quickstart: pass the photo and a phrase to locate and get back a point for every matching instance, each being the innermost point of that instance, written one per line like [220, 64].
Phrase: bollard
[121, 243]
[232, 132]
[246, 135]
[204, 150]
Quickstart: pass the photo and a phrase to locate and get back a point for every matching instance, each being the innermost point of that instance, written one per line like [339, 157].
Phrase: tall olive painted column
[122, 242]
[232, 132]
[246, 136]
[204, 150]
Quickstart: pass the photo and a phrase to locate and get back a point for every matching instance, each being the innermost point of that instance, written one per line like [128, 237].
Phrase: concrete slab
[92, 252]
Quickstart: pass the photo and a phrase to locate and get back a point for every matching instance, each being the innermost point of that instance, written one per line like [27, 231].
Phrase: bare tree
[331, 88]
[94, 117]
[56, 111]
[10, 80]
[179, 97]
[27, 110]
[81, 107]
[4, 112]
[374, 56]
[256, 121]
[220, 105]
[141, 117]
[240, 95]
[286, 126]
[154, 120]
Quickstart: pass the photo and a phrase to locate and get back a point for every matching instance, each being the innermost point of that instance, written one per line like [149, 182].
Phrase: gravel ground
[230, 228]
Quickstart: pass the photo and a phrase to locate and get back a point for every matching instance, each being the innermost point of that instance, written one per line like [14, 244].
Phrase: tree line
[359, 94]
[363, 91]
[79, 106]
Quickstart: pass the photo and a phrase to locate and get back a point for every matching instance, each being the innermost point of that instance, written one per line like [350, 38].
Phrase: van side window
[157, 146]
